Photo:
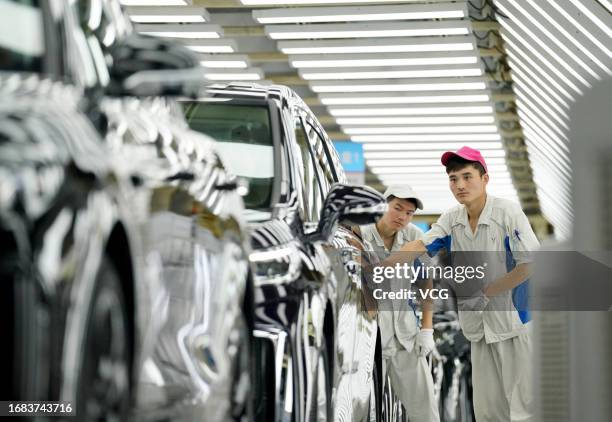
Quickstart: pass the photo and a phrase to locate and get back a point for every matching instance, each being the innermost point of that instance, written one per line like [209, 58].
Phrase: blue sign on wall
[351, 156]
[422, 225]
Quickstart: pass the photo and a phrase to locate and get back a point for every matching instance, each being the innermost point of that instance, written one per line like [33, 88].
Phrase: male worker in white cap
[405, 345]
[495, 319]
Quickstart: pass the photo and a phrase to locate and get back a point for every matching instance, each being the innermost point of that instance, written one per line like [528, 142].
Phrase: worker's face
[467, 184]
[399, 214]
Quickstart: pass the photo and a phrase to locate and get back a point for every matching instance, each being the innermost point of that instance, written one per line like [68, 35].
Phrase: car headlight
[275, 266]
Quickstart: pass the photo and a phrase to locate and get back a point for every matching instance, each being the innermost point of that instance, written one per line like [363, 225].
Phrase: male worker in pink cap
[495, 319]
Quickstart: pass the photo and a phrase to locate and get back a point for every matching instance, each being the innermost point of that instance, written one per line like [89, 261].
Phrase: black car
[318, 352]
[124, 259]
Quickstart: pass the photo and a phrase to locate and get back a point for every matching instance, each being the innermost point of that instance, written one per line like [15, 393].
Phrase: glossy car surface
[316, 342]
[124, 259]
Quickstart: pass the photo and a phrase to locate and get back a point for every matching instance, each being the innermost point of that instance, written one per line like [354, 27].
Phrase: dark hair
[411, 200]
[456, 163]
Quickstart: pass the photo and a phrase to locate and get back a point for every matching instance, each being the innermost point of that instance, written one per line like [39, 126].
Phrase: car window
[22, 38]
[244, 143]
[321, 161]
[313, 196]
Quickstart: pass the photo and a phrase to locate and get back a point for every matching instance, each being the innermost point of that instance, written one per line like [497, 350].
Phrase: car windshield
[22, 42]
[244, 143]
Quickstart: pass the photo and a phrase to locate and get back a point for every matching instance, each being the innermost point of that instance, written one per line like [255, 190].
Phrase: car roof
[255, 91]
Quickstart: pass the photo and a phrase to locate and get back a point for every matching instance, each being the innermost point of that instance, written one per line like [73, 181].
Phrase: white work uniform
[409, 373]
[501, 348]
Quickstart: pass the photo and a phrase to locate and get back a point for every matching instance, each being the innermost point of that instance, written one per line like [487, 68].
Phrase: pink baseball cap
[466, 153]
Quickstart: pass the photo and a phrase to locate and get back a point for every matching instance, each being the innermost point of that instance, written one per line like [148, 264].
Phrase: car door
[186, 238]
[357, 329]
[195, 349]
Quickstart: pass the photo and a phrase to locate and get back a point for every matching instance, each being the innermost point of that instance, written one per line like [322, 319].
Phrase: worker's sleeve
[439, 236]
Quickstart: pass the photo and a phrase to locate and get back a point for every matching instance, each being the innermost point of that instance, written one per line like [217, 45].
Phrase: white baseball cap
[404, 192]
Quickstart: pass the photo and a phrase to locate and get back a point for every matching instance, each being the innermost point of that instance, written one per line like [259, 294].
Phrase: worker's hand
[424, 343]
[476, 303]
[416, 246]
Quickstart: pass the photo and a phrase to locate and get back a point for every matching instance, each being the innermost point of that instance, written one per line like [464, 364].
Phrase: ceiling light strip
[418, 162]
[579, 28]
[378, 46]
[367, 30]
[361, 13]
[580, 47]
[542, 156]
[538, 40]
[527, 106]
[527, 91]
[427, 146]
[543, 161]
[231, 61]
[441, 109]
[436, 176]
[250, 74]
[448, 71]
[606, 4]
[310, 61]
[558, 167]
[552, 147]
[507, 25]
[174, 30]
[211, 45]
[551, 144]
[538, 23]
[425, 169]
[167, 14]
[392, 98]
[436, 154]
[224, 64]
[593, 17]
[302, 2]
[538, 85]
[464, 137]
[155, 2]
[400, 85]
[514, 50]
[542, 122]
[400, 130]
[422, 120]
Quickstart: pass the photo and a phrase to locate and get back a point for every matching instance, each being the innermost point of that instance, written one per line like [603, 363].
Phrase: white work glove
[424, 343]
[476, 303]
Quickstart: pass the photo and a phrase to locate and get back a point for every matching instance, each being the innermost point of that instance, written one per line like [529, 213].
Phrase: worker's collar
[373, 235]
[485, 215]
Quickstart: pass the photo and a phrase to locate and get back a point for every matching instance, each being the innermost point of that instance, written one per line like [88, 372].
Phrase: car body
[124, 259]
[317, 344]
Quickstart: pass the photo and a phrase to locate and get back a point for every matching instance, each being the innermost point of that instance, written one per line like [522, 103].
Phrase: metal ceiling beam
[485, 26]
[498, 98]
[244, 31]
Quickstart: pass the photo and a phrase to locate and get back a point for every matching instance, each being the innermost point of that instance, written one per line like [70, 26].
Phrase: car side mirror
[351, 205]
[145, 66]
